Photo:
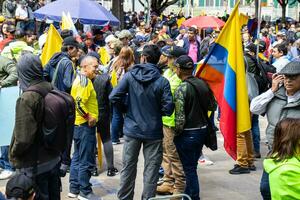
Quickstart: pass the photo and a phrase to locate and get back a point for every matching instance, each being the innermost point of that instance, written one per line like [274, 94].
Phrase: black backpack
[11, 7]
[58, 120]
[262, 79]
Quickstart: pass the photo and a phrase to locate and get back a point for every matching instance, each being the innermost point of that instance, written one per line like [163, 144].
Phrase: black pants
[66, 155]
[48, 185]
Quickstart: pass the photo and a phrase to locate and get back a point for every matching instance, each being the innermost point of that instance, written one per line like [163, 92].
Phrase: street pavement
[215, 181]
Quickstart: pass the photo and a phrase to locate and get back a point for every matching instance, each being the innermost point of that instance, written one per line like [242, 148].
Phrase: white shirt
[21, 13]
[280, 63]
[293, 98]
[259, 104]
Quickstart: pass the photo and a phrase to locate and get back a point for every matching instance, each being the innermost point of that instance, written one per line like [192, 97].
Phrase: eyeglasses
[291, 77]
[72, 47]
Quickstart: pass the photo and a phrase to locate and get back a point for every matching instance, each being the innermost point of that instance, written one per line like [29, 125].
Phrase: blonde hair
[125, 59]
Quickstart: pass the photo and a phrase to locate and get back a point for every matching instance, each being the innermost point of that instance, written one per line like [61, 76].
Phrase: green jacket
[8, 72]
[26, 149]
[174, 83]
[284, 178]
[14, 50]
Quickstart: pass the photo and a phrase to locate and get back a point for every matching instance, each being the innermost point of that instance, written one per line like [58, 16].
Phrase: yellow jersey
[85, 98]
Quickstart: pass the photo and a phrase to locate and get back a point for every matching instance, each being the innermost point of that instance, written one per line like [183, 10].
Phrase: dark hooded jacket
[148, 98]
[26, 149]
[65, 74]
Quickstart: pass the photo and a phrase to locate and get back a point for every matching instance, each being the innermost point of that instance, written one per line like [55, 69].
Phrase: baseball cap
[110, 38]
[176, 51]
[19, 186]
[89, 35]
[184, 62]
[165, 50]
[71, 41]
[281, 33]
[251, 48]
[291, 68]
[153, 52]
[11, 28]
[94, 54]
[209, 30]
[124, 34]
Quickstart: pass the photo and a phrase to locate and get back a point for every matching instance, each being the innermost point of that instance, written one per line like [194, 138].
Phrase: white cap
[110, 38]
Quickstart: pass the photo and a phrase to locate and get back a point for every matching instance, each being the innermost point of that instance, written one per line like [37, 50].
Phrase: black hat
[251, 48]
[184, 62]
[209, 30]
[262, 45]
[19, 186]
[71, 41]
[177, 51]
[292, 68]
[97, 31]
[151, 50]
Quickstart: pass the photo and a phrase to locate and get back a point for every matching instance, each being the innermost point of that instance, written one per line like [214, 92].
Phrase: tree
[157, 6]
[117, 10]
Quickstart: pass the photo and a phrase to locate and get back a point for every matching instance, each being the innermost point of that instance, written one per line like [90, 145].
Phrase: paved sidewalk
[215, 181]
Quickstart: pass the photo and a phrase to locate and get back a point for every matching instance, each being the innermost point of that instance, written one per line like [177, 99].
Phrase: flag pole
[258, 28]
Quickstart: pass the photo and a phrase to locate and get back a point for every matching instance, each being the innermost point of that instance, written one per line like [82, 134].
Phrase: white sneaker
[6, 174]
[71, 195]
[90, 196]
[204, 161]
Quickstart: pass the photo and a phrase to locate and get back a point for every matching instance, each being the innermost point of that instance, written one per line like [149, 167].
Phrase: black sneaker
[95, 172]
[239, 170]
[252, 167]
[257, 155]
[112, 172]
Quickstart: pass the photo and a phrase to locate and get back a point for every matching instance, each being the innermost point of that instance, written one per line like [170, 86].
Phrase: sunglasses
[72, 47]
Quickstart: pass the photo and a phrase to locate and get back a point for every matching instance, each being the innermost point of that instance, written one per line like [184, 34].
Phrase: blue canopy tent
[84, 11]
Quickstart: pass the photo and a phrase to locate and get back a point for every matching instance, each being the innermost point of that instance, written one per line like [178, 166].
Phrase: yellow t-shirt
[85, 98]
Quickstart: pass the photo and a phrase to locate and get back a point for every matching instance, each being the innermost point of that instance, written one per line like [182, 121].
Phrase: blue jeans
[265, 186]
[83, 160]
[4, 162]
[189, 145]
[116, 124]
[255, 133]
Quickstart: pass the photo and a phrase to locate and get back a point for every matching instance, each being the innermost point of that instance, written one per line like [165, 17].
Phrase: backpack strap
[56, 71]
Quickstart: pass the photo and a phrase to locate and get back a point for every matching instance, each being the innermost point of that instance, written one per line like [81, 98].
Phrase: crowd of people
[138, 84]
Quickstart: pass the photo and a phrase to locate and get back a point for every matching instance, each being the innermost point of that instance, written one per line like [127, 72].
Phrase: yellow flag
[53, 45]
[243, 19]
[65, 23]
[104, 55]
[114, 80]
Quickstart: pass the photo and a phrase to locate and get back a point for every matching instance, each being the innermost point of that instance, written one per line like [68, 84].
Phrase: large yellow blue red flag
[53, 45]
[224, 71]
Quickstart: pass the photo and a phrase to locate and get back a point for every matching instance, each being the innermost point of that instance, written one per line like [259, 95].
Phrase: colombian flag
[224, 71]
